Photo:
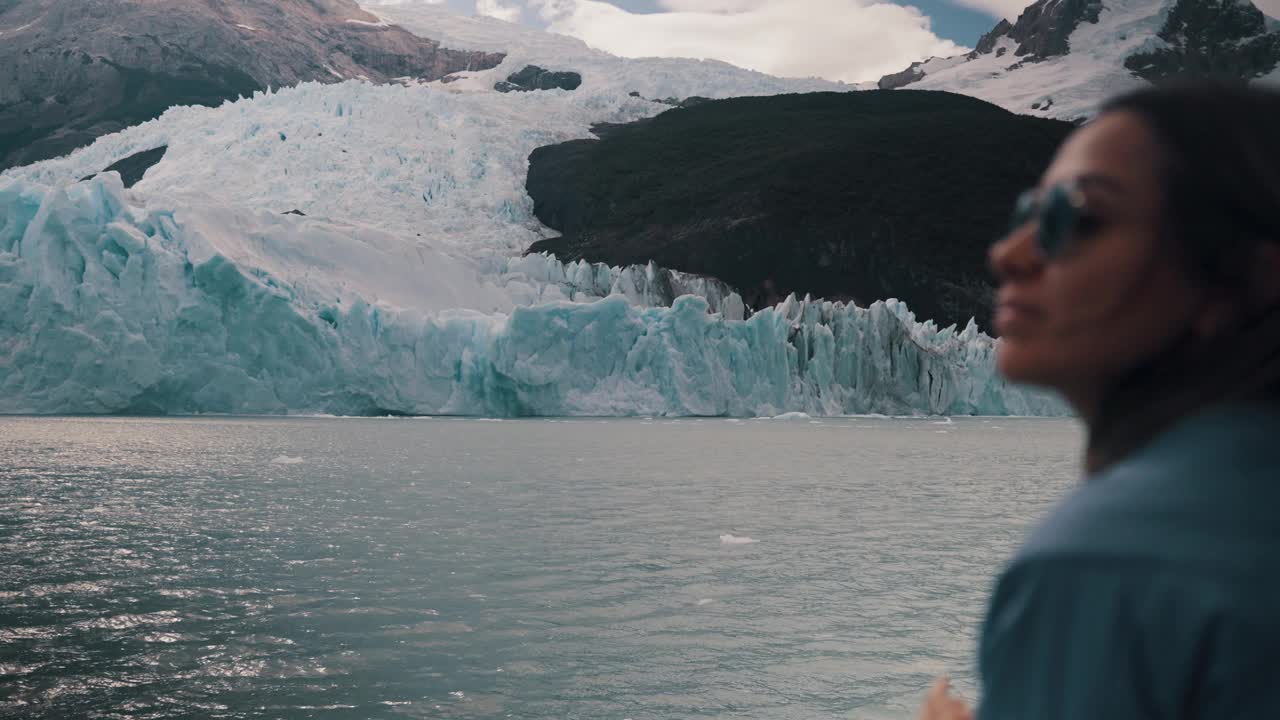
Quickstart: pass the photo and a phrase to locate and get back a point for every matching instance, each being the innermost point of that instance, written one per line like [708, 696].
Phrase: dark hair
[1220, 164]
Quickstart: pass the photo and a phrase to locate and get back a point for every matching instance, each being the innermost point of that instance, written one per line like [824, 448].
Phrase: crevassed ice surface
[403, 288]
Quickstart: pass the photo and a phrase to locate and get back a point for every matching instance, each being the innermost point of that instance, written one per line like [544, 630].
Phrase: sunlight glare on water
[644, 569]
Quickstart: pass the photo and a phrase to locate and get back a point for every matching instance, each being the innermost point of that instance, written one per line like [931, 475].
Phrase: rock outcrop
[134, 167]
[1044, 29]
[532, 77]
[987, 43]
[1221, 39]
[902, 79]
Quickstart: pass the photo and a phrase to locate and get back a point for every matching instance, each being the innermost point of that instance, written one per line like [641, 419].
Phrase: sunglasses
[1061, 217]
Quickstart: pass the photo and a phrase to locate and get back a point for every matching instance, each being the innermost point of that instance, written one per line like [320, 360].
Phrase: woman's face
[1116, 296]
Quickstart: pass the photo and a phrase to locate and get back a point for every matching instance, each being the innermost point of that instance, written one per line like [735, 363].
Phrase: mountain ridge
[1062, 58]
[73, 71]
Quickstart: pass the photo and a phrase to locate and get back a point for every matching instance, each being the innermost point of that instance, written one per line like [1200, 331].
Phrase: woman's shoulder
[1151, 584]
[1205, 493]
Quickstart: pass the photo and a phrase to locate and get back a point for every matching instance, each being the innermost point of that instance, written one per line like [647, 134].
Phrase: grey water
[433, 568]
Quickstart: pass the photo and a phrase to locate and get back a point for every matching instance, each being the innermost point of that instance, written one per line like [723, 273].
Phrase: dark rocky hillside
[73, 70]
[1220, 39]
[859, 196]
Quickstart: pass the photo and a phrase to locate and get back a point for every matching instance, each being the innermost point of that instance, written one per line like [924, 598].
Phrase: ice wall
[111, 306]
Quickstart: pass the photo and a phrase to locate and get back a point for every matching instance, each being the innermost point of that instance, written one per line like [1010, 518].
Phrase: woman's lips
[1016, 318]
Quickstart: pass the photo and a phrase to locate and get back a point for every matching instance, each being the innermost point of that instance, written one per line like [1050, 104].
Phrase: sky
[960, 22]
[847, 40]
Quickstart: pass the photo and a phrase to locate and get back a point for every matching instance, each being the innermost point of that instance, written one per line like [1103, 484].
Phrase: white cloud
[850, 40]
[1270, 7]
[1008, 9]
[497, 9]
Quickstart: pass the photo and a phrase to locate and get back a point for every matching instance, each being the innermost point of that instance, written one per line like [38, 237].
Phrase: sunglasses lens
[1057, 220]
[1024, 210]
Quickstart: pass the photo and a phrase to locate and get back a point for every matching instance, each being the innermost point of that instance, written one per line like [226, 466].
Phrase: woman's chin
[1019, 364]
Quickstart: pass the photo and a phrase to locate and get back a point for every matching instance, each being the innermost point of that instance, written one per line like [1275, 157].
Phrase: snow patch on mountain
[1065, 87]
[1034, 66]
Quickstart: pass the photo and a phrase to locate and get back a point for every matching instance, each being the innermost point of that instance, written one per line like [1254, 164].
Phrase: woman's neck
[1084, 401]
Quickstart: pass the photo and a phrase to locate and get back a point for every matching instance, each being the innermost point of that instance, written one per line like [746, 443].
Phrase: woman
[1142, 282]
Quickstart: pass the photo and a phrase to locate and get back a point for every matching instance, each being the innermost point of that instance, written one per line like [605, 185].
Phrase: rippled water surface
[336, 568]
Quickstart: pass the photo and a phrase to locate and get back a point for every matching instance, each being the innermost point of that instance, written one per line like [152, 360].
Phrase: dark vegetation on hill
[857, 196]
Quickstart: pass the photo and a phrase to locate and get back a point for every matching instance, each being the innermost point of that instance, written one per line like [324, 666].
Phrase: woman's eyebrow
[1105, 181]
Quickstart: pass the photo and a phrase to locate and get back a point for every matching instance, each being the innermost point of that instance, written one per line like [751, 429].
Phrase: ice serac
[112, 307]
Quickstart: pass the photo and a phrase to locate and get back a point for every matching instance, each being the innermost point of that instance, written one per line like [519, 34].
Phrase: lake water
[433, 568]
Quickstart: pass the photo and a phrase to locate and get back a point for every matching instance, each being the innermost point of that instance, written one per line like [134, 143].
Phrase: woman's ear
[1225, 310]
[1217, 317]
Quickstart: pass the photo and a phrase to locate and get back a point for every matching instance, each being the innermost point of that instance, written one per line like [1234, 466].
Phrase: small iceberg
[736, 540]
[286, 460]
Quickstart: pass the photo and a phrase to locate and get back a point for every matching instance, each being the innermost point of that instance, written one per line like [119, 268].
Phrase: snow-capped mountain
[1062, 58]
[72, 70]
[357, 248]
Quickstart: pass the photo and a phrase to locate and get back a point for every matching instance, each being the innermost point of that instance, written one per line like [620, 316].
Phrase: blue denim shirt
[1153, 591]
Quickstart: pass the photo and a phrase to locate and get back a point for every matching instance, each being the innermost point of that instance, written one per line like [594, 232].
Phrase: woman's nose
[1016, 257]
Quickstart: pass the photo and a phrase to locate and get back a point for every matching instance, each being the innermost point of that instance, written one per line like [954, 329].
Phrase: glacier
[117, 308]
[403, 289]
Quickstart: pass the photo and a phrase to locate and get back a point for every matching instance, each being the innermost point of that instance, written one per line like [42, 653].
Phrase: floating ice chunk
[286, 460]
[736, 540]
[792, 416]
